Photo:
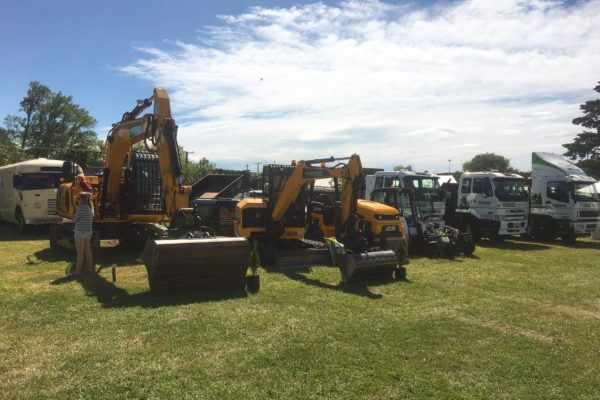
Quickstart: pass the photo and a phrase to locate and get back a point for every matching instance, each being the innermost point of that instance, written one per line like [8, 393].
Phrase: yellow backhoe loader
[139, 192]
[277, 219]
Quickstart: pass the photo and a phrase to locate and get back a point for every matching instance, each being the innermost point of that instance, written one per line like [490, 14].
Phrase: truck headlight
[579, 226]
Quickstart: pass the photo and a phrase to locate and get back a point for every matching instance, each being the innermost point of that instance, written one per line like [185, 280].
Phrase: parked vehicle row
[559, 200]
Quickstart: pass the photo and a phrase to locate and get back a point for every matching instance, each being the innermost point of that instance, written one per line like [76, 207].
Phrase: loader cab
[426, 186]
[398, 199]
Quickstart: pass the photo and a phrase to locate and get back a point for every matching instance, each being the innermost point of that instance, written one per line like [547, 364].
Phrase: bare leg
[88, 254]
[80, 248]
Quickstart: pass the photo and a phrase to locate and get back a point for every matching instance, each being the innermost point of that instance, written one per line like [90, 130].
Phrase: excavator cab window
[142, 189]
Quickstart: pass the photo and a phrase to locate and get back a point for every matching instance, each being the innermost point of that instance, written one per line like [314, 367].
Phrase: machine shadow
[510, 245]
[110, 295]
[355, 288]
[8, 233]
[577, 245]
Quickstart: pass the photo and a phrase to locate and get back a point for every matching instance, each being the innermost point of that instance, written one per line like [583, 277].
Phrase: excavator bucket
[368, 265]
[190, 264]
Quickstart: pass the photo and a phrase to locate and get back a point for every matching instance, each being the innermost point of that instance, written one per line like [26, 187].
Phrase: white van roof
[491, 174]
[33, 164]
[405, 172]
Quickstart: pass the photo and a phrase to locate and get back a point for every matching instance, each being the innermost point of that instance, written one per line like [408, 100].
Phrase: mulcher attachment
[190, 264]
[363, 266]
[366, 266]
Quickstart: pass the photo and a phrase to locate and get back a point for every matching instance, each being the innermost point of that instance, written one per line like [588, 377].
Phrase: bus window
[33, 181]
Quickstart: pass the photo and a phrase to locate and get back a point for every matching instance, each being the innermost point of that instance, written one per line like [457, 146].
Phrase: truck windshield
[426, 189]
[510, 189]
[33, 181]
[585, 191]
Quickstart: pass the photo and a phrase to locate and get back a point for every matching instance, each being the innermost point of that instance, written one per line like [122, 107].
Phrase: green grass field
[519, 320]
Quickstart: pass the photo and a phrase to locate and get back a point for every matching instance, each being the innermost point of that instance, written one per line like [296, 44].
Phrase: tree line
[49, 124]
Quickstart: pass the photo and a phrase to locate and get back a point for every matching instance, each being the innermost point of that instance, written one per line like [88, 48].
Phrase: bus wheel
[21, 225]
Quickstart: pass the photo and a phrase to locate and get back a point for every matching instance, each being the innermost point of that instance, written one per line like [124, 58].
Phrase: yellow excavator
[367, 232]
[140, 198]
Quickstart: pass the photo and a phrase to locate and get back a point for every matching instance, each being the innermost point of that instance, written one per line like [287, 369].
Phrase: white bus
[28, 192]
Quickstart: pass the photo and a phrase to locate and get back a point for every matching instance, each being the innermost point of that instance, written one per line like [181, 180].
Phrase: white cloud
[391, 83]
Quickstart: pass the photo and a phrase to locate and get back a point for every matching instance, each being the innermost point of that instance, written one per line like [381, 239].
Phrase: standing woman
[84, 216]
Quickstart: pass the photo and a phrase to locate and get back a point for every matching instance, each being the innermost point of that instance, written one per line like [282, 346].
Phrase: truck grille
[51, 206]
[589, 214]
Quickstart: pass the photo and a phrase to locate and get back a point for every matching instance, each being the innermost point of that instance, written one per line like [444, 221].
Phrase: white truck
[428, 195]
[564, 201]
[28, 192]
[491, 204]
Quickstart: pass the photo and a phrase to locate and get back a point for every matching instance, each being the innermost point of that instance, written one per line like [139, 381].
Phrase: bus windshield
[426, 189]
[585, 191]
[510, 189]
[33, 181]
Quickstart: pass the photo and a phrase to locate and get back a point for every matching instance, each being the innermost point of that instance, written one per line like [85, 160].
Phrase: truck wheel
[570, 236]
[545, 231]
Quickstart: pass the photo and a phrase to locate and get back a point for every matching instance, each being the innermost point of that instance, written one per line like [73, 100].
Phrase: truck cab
[564, 200]
[426, 188]
[492, 204]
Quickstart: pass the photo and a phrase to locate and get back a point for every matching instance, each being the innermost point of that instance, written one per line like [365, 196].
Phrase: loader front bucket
[192, 264]
[368, 265]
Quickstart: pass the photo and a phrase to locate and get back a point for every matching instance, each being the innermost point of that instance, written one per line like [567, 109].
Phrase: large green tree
[585, 148]
[402, 167]
[488, 162]
[52, 125]
[9, 152]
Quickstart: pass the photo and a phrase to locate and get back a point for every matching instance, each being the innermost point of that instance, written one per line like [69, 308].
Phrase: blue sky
[73, 46]
[396, 82]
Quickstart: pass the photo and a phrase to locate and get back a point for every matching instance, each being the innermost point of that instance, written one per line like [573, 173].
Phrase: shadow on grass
[356, 288]
[510, 245]
[112, 296]
[8, 233]
[577, 244]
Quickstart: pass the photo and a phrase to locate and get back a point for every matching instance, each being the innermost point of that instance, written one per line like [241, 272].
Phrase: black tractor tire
[474, 231]
[450, 251]
[400, 273]
[468, 247]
